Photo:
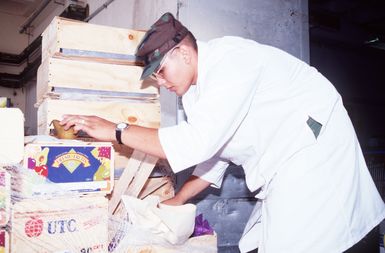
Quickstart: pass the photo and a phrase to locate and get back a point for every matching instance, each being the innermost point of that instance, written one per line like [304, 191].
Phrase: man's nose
[161, 82]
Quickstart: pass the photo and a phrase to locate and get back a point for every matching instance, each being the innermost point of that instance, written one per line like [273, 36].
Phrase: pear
[61, 133]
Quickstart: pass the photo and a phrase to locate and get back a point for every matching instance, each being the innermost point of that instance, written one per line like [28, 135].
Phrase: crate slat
[143, 114]
[63, 73]
[67, 33]
[133, 178]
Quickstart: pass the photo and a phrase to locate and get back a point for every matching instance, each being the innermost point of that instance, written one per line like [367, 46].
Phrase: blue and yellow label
[64, 164]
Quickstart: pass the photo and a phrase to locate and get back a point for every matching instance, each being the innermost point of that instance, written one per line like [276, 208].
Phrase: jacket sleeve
[223, 101]
[212, 170]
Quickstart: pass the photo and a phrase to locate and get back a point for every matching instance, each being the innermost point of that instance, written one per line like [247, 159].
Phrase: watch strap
[118, 131]
[118, 135]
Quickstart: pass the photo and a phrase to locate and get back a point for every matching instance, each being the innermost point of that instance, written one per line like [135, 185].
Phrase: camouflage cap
[163, 35]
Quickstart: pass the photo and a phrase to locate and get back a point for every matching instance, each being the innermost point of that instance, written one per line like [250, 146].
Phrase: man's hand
[94, 126]
[140, 138]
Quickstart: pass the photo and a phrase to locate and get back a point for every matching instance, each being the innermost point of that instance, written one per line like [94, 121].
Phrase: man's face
[174, 73]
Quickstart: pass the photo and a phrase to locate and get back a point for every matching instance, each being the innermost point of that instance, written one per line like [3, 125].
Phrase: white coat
[259, 107]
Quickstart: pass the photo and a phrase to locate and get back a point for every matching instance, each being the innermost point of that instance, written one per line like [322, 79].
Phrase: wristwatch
[119, 129]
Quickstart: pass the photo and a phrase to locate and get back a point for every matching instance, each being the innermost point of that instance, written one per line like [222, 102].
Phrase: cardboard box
[4, 241]
[71, 167]
[11, 135]
[60, 225]
[5, 196]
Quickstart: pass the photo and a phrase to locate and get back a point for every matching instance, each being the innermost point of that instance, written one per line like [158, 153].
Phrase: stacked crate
[59, 197]
[11, 152]
[88, 70]
[91, 69]
[39, 215]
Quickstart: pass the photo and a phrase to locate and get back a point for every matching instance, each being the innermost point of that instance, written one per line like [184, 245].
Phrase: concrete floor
[370, 244]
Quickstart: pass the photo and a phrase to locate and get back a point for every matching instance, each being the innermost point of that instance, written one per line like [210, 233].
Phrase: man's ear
[185, 52]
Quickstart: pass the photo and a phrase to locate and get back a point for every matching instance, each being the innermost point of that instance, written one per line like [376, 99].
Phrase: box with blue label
[5, 197]
[4, 241]
[80, 167]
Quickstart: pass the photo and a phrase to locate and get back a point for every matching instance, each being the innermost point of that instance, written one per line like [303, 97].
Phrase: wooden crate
[142, 114]
[132, 180]
[162, 187]
[55, 74]
[71, 34]
[60, 225]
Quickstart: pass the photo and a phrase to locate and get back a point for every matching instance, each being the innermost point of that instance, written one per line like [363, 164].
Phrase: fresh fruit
[61, 133]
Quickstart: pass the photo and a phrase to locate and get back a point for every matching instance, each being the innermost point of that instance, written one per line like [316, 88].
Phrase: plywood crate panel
[60, 225]
[143, 114]
[73, 74]
[71, 34]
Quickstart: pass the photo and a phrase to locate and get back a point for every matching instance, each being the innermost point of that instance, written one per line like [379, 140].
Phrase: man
[259, 107]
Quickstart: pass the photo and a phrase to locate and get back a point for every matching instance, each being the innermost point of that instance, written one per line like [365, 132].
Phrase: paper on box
[11, 135]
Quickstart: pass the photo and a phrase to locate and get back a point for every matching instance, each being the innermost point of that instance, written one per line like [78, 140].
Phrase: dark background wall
[358, 73]
[347, 44]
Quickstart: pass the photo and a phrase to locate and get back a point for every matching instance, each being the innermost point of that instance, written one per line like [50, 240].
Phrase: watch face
[121, 125]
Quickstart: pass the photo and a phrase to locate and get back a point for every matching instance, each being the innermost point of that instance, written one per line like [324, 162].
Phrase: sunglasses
[159, 72]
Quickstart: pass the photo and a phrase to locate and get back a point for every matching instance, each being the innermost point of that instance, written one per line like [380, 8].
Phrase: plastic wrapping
[149, 227]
